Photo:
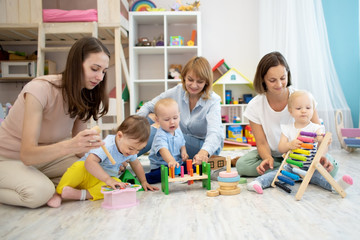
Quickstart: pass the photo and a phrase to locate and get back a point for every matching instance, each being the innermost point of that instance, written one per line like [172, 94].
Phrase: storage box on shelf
[151, 53]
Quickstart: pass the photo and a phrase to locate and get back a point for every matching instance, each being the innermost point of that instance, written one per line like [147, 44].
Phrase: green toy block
[164, 180]
[127, 177]
[206, 183]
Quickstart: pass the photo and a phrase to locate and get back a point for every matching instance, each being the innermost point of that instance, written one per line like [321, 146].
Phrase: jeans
[316, 179]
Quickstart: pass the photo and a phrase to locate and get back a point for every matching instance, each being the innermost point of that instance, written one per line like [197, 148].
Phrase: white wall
[229, 31]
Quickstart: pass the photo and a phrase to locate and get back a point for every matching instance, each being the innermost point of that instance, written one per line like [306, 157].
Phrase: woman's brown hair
[272, 59]
[83, 102]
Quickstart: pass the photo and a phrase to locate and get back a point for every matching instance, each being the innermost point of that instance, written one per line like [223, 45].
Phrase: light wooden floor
[187, 213]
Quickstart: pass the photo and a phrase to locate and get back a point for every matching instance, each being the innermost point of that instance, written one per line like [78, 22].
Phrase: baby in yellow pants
[83, 180]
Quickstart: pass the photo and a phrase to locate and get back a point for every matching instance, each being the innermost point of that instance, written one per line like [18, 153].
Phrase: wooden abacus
[296, 160]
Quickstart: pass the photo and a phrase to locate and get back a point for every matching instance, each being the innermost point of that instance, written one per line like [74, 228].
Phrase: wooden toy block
[205, 177]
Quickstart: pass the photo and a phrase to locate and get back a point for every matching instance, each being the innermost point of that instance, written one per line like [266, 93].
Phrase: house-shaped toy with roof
[233, 87]
[235, 91]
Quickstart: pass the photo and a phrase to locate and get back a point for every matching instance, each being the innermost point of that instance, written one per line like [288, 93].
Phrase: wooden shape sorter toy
[168, 175]
[298, 158]
[228, 181]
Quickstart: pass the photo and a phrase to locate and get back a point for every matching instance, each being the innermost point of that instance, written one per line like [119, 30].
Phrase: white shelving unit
[149, 65]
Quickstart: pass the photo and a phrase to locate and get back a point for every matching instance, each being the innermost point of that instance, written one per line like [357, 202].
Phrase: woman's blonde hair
[164, 102]
[201, 68]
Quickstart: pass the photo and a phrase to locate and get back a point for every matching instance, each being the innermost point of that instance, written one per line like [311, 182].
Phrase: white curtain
[297, 29]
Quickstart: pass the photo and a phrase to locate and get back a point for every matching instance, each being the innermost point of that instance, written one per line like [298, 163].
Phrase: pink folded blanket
[58, 15]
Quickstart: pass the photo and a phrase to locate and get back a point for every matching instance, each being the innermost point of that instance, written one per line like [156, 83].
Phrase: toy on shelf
[250, 139]
[220, 69]
[169, 175]
[306, 156]
[224, 118]
[192, 41]
[120, 198]
[189, 7]
[349, 138]
[235, 133]
[228, 181]
[175, 71]
[143, 42]
[142, 5]
[176, 41]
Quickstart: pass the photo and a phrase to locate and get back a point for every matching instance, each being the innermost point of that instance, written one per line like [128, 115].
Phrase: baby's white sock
[255, 186]
[345, 182]
[83, 195]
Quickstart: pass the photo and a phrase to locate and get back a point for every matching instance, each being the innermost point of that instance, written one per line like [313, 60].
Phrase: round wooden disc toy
[225, 174]
[230, 192]
[212, 193]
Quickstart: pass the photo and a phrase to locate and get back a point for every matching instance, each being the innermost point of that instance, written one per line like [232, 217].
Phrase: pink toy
[120, 198]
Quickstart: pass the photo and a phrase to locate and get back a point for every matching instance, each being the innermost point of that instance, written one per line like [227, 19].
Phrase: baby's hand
[115, 184]
[184, 156]
[146, 186]
[173, 164]
[295, 144]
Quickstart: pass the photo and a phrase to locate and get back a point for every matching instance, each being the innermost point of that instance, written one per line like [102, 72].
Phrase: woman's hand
[201, 156]
[184, 156]
[85, 140]
[266, 164]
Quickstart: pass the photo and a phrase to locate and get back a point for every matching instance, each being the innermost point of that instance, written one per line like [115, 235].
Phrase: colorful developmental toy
[176, 41]
[142, 5]
[306, 156]
[167, 178]
[127, 177]
[192, 41]
[120, 198]
[249, 135]
[235, 133]
[190, 7]
[216, 162]
[228, 181]
[349, 138]
[103, 147]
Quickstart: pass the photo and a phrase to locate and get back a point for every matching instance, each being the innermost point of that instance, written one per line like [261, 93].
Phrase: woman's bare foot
[55, 201]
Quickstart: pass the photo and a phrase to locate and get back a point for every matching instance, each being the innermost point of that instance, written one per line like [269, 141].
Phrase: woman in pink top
[46, 129]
